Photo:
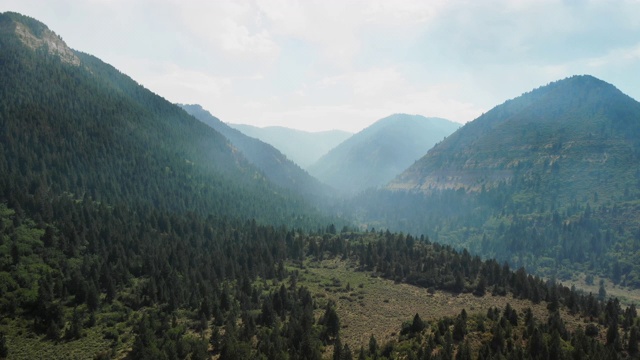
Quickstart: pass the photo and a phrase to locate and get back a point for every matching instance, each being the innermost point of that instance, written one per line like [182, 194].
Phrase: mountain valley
[276, 167]
[134, 228]
[302, 147]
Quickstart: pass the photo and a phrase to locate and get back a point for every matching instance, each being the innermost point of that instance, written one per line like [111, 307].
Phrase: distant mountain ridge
[273, 163]
[378, 153]
[302, 147]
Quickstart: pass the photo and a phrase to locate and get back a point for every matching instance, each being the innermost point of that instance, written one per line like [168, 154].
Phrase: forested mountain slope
[378, 153]
[276, 167]
[120, 238]
[574, 137]
[550, 180]
[73, 124]
[302, 147]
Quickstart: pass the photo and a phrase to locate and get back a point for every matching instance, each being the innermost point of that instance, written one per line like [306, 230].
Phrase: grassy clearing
[374, 306]
[34, 347]
[626, 295]
[111, 335]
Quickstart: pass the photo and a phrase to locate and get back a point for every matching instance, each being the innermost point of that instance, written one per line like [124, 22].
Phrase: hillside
[375, 155]
[275, 166]
[195, 288]
[573, 136]
[548, 180]
[74, 125]
[302, 147]
[131, 230]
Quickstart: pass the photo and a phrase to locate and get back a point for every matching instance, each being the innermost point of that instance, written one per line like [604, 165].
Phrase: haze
[318, 65]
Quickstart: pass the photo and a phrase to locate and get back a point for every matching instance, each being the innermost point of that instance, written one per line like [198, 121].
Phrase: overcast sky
[318, 65]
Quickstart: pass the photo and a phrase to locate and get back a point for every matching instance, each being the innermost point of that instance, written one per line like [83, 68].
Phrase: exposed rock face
[43, 38]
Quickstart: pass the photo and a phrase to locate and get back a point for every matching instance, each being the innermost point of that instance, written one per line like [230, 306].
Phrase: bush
[592, 330]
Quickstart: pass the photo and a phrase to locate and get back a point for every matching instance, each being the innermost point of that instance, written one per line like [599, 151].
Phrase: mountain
[574, 136]
[276, 167]
[378, 153]
[549, 180]
[74, 125]
[302, 147]
[126, 232]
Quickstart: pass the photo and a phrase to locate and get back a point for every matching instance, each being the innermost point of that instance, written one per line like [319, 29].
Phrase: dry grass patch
[378, 307]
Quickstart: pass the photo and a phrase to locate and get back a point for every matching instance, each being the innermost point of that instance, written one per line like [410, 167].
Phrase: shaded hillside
[549, 180]
[72, 124]
[276, 167]
[378, 153]
[145, 259]
[302, 147]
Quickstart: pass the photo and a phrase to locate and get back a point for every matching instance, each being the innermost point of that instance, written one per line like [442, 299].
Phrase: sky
[343, 64]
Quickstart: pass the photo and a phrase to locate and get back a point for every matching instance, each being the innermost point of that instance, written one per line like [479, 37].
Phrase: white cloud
[617, 57]
[233, 28]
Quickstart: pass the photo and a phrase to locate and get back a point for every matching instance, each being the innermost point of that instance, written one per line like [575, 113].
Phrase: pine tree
[633, 340]
[331, 321]
[464, 352]
[612, 334]
[337, 349]
[602, 292]
[536, 344]
[481, 286]
[74, 331]
[459, 329]
[216, 337]
[4, 351]
[417, 325]
[361, 354]
[497, 341]
[53, 331]
[346, 353]
[93, 298]
[373, 346]
[555, 350]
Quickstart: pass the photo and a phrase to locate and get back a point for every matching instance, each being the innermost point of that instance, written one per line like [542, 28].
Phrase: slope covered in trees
[378, 153]
[128, 230]
[302, 147]
[193, 287]
[83, 128]
[276, 167]
[549, 180]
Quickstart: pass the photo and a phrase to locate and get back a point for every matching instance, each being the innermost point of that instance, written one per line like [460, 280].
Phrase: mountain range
[131, 229]
[375, 155]
[276, 166]
[302, 147]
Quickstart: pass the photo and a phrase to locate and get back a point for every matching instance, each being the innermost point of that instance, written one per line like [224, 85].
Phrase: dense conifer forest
[548, 180]
[185, 286]
[130, 230]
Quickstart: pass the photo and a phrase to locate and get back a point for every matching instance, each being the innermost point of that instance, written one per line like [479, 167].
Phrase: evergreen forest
[131, 230]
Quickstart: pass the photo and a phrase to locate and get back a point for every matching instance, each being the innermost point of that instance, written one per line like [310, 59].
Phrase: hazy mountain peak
[381, 151]
[36, 35]
[302, 147]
